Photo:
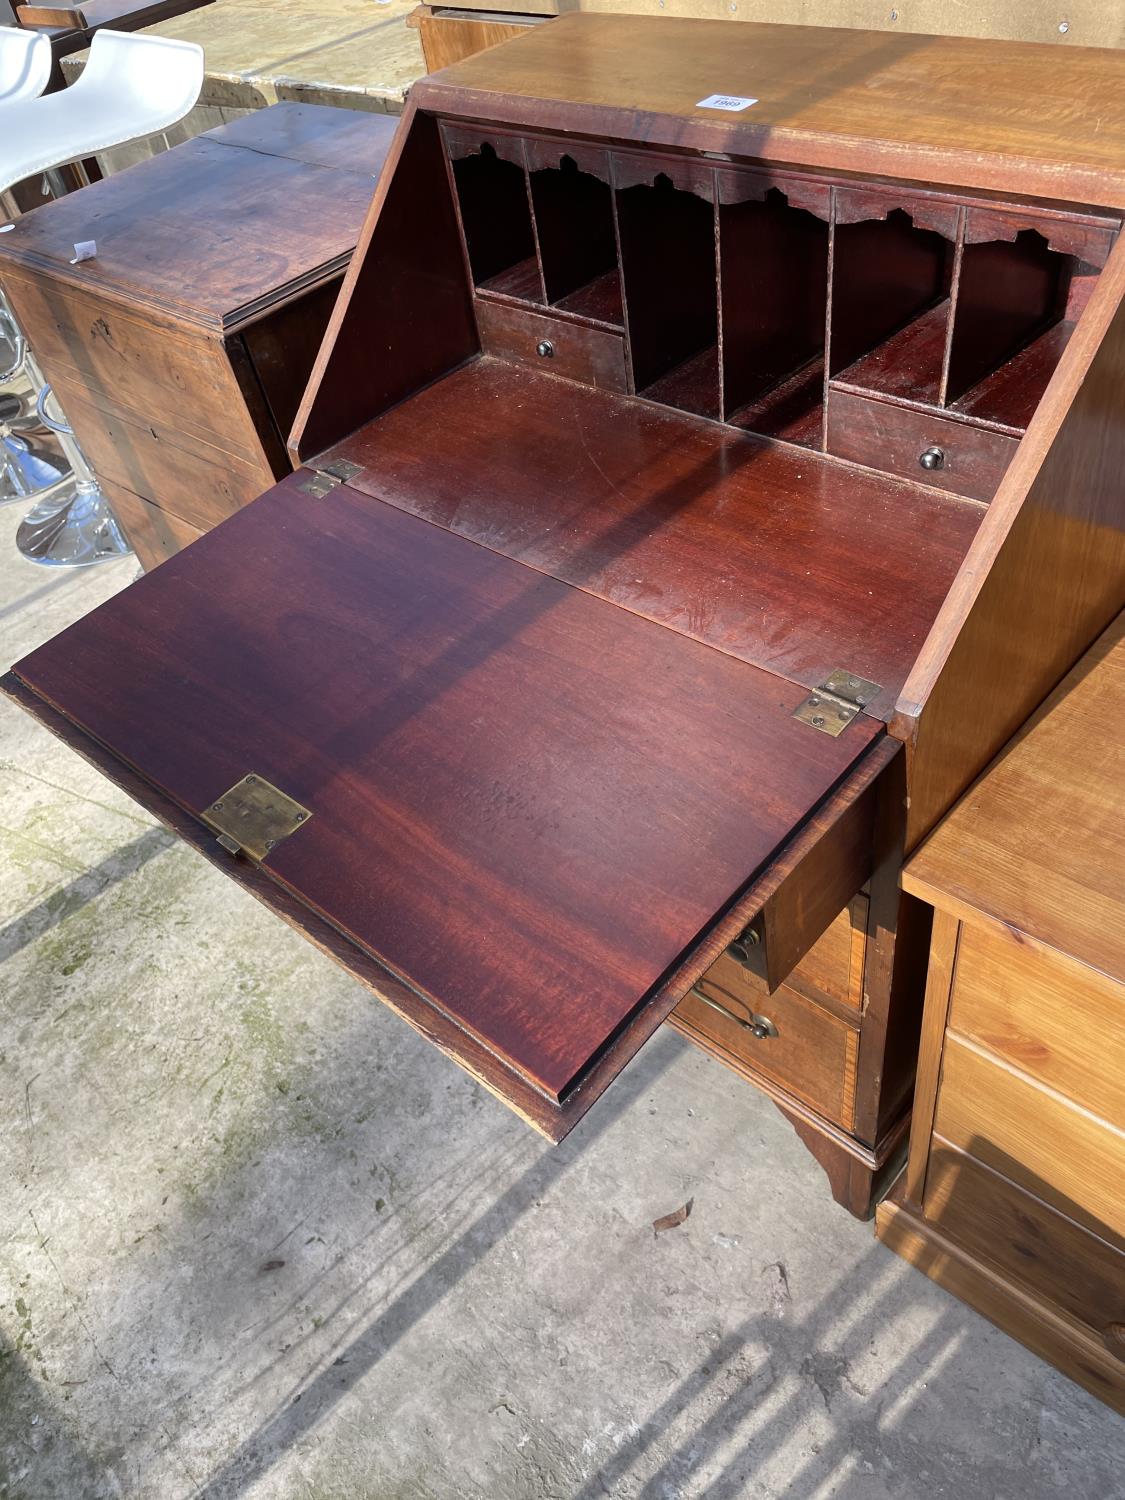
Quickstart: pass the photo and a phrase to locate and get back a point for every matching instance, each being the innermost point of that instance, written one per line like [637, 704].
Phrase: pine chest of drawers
[1014, 1197]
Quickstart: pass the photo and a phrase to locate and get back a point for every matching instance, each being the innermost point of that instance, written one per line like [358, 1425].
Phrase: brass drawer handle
[758, 1026]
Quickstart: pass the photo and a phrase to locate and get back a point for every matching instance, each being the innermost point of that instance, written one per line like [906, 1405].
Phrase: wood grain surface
[1045, 574]
[1037, 843]
[1028, 1240]
[1051, 1334]
[206, 232]
[1056, 1150]
[1053, 1018]
[812, 1056]
[155, 535]
[526, 803]
[779, 556]
[1024, 118]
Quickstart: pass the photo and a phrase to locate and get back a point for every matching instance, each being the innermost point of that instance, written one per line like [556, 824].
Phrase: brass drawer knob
[742, 945]
[933, 458]
[758, 1026]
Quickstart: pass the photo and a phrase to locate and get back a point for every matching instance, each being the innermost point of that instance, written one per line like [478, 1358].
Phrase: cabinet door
[529, 819]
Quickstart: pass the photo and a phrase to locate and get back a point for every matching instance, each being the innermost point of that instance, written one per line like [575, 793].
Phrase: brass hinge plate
[833, 705]
[322, 481]
[253, 817]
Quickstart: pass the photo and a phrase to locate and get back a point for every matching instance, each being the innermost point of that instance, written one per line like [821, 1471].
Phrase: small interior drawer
[592, 356]
[786, 1038]
[1051, 1017]
[933, 449]
[1039, 1248]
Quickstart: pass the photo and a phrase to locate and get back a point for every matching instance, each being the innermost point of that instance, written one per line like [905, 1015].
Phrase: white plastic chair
[25, 71]
[25, 64]
[131, 87]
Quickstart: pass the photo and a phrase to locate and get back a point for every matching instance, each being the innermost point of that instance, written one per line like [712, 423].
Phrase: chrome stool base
[73, 530]
[26, 472]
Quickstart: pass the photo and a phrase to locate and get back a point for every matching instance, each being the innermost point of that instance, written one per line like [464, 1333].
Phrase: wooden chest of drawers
[180, 352]
[1014, 1196]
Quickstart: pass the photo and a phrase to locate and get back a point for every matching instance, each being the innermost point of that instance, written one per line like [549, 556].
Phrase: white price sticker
[733, 102]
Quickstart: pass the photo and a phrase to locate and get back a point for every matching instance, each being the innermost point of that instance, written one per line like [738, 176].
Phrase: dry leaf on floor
[669, 1221]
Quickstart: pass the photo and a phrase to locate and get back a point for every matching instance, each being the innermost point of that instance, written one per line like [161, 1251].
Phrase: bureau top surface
[1039, 842]
[1023, 118]
[223, 226]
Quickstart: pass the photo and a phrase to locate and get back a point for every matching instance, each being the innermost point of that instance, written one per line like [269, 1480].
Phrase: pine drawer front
[1078, 1272]
[895, 438]
[785, 1038]
[1048, 1015]
[1033, 1136]
[592, 356]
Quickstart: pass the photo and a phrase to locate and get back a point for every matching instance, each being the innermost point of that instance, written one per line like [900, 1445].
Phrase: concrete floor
[259, 1240]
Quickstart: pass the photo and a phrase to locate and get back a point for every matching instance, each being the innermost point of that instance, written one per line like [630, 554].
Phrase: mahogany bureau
[179, 353]
[1014, 1196]
[714, 456]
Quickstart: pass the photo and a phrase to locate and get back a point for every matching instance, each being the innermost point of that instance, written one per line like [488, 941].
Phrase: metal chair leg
[77, 528]
[26, 472]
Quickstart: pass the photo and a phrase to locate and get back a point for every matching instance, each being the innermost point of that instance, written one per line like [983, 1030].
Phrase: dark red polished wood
[774, 554]
[526, 802]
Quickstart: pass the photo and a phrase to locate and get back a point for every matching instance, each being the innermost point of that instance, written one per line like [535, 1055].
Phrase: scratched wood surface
[210, 231]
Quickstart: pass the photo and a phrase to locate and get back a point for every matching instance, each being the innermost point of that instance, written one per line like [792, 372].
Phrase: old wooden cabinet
[714, 456]
[179, 353]
[1014, 1197]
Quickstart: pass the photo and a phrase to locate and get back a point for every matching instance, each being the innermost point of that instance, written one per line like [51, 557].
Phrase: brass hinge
[253, 817]
[321, 481]
[833, 705]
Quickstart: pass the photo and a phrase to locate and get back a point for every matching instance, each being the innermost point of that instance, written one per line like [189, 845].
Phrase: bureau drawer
[154, 534]
[1076, 1271]
[189, 479]
[146, 369]
[1051, 1017]
[831, 970]
[1052, 1148]
[972, 460]
[780, 938]
[787, 1039]
[592, 356]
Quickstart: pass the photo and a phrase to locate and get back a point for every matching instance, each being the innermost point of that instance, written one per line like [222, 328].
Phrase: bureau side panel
[1043, 577]
[404, 316]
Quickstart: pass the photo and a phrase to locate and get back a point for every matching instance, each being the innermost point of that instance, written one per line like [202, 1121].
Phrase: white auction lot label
[732, 102]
